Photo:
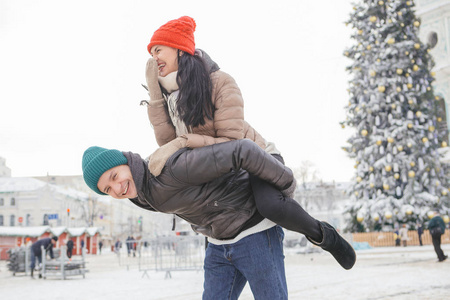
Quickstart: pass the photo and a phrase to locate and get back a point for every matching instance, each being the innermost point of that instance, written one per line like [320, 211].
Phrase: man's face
[118, 183]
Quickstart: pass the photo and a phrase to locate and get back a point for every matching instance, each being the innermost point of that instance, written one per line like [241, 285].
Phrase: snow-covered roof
[35, 231]
[58, 230]
[93, 230]
[76, 231]
[20, 184]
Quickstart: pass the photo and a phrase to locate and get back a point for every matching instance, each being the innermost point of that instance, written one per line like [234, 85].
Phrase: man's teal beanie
[96, 161]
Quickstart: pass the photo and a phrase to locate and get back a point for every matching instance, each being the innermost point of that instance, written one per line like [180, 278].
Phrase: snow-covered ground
[382, 273]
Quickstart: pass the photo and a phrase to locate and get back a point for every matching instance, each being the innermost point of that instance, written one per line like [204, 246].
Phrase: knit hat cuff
[99, 164]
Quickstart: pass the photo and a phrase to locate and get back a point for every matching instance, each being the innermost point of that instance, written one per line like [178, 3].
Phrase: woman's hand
[151, 75]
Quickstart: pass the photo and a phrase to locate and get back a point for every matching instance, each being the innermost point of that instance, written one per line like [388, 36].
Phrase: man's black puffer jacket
[209, 186]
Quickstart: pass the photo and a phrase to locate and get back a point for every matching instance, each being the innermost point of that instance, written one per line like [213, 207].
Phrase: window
[13, 201]
[432, 39]
[12, 220]
[2, 201]
[1, 220]
[45, 219]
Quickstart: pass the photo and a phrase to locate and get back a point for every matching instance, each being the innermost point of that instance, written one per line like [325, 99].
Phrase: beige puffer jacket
[228, 123]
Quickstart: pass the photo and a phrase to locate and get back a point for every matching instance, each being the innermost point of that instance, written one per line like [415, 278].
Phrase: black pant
[284, 211]
[437, 246]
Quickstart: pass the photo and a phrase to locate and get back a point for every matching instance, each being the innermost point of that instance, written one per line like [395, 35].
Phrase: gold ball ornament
[393, 105]
[408, 3]
[380, 2]
[428, 89]
[371, 169]
[379, 142]
[409, 85]
[417, 46]
[433, 74]
[390, 139]
[412, 164]
[424, 139]
[386, 186]
[415, 67]
[381, 88]
[444, 192]
[446, 219]
[399, 13]
[396, 176]
[416, 23]
[388, 214]
[436, 98]
[376, 218]
[388, 168]
[410, 102]
[400, 148]
[373, 19]
[356, 193]
[431, 128]
[418, 114]
[411, 174]
[399, 71]
[359, 219]
[444, 144]
[430, 214]
[409, 211]
[439, 119]
[391, 41]
[398, 89]
[372, 73]
[409, 145]
[371, 185]
[410, 125]
[360, 32]
[402, 24]
[364, 132]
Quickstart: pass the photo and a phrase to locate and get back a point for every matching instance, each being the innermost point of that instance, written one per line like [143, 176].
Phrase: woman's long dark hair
[194, 103]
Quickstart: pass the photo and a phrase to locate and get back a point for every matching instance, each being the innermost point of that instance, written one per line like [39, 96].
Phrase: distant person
[100, 245]
[437, 229]
[397, 237]
[420, 233]
[117, 246]
[36, 252]
[403, 233]
[69, 246]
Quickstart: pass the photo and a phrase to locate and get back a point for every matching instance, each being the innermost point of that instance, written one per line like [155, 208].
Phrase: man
[69, 245]
[47, 244]
[209, 188]
[437, 229]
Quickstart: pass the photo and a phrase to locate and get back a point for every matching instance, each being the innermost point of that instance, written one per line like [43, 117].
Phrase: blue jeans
[257, 258]
[33, 259]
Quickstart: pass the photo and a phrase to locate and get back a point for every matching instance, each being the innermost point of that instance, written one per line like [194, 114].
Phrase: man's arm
[202, 165]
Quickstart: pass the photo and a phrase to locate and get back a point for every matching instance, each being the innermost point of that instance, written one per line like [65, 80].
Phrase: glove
[151, 75]
[289, 192]
[158, 159]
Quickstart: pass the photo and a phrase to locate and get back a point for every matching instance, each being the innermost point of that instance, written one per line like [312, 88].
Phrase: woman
[195, 104]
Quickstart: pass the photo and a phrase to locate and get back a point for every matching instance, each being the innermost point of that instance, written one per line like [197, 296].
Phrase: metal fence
[167, 254]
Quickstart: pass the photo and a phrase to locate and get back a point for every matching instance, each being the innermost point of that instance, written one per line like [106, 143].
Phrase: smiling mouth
[161, 67]
[126, 189]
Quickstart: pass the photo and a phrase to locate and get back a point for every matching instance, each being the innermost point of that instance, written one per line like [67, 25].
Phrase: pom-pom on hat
[98, 160]
[178, 33]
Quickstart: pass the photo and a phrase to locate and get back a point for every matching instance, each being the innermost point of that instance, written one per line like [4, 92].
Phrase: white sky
[71, 74]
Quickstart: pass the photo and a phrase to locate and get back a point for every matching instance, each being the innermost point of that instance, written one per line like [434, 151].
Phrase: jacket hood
[211, 65]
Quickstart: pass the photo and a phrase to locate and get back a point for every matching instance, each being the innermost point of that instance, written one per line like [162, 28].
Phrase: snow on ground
[381, 273]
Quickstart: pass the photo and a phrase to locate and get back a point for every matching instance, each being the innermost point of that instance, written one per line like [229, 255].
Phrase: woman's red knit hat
[178, 33]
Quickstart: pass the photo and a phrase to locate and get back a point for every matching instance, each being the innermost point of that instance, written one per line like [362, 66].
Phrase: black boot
[332, 242]
[32, 274]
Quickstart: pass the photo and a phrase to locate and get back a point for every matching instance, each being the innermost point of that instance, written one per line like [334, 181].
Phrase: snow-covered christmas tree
[398, 140]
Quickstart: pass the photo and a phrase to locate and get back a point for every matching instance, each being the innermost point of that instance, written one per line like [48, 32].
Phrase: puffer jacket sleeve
[202, 165]
[161, 122]
[228, 121]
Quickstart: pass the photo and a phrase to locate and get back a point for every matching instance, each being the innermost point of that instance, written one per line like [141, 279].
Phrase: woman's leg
[284, 211]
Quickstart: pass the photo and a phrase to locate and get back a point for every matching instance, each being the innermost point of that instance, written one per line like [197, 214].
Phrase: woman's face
[166, 57]
[118, 183]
